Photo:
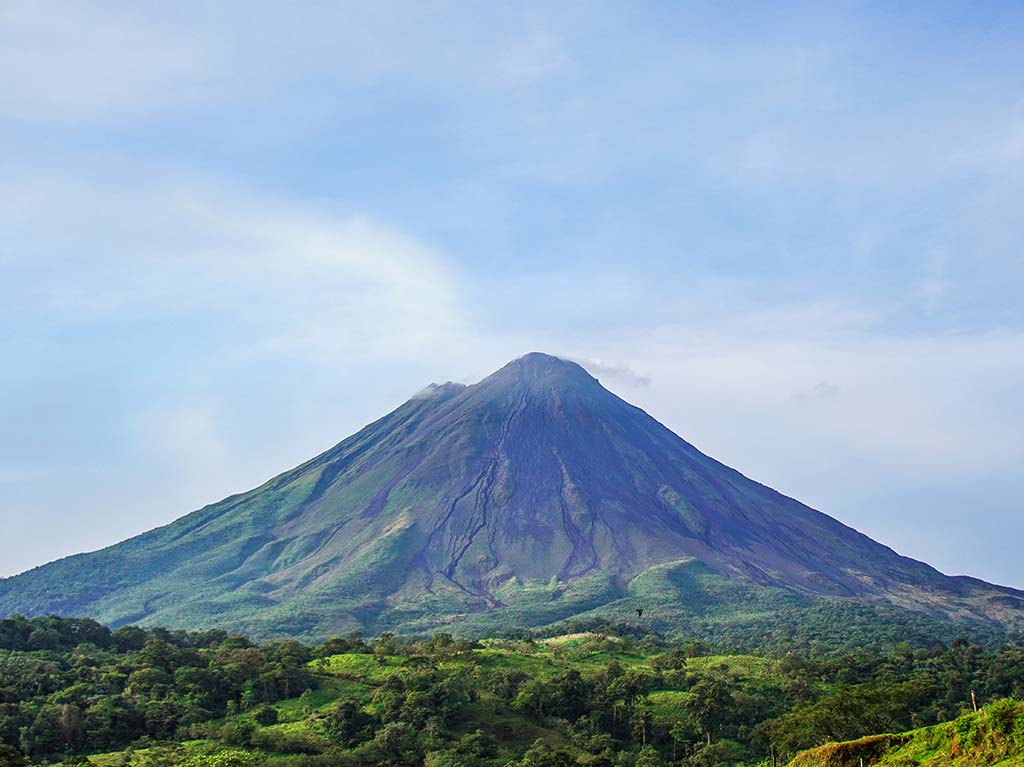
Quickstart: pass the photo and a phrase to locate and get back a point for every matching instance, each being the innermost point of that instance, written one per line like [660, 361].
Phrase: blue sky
[232, 235]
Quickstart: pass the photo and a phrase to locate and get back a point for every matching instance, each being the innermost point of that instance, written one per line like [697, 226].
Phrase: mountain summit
[533, 496]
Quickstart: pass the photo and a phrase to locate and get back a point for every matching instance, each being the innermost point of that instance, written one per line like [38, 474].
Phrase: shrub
[237, 733]
[1002, 715]
[265, 716]
[285, 742]
[229, 758]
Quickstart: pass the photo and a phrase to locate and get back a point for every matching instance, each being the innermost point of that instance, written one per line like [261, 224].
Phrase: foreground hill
[992, 737]
[532, 497]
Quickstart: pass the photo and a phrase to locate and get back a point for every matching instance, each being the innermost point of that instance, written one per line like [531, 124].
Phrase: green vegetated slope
[73, 690]
[991, 737]
[529, 499]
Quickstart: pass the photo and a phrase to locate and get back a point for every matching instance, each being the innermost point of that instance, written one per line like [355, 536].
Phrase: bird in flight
[639, 612]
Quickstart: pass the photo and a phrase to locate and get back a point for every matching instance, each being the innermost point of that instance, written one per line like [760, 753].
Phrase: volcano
[533, 497]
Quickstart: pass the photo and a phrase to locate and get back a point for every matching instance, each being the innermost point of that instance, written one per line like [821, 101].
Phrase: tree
[642, 721]
[43, 736]
[532, 698]
[384, 645]
[162, 718]
[44, 639]
[149, 679]
[673, 660]
[238, 733]
[571, 694]
[11, 757]
[347, 724]
[448, 759]
[479, 744]
[709, 705]
[112, 721]
[648, 757]
[692, 648]
[682, 732]
[69, 722]
[541, 754]
[265, 715]
[397, 742]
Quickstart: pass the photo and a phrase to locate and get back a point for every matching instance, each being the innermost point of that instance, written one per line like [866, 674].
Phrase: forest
[73, 691]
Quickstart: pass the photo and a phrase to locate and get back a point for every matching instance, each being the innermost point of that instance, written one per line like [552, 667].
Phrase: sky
[232, 234]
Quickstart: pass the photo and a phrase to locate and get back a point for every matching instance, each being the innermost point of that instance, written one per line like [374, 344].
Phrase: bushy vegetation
[73, 690]
[992, 736]
[75, 686]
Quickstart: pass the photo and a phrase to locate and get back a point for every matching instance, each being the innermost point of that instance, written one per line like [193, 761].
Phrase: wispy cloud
[617, 372]
[290, 279]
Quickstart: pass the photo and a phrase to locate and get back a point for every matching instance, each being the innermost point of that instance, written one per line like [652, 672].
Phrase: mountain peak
[535, 490]
[537, 369]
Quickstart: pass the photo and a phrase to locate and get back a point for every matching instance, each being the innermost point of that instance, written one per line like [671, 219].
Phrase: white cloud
[605, 370]
[299, 280]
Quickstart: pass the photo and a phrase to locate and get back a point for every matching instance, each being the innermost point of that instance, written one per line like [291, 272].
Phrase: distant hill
[535, 497]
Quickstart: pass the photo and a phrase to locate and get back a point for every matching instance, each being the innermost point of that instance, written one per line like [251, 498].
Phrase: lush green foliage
[71, 687]
[993, 736]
